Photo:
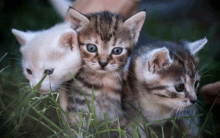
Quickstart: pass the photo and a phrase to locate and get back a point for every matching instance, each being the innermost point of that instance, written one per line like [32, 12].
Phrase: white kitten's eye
[117, 51]
[29, 71]
[49, 71]
[196, 84]
[179, 87]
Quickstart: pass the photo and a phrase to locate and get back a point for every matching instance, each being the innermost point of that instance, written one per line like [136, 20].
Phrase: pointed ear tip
[143, 13]
[70, 31]
[206, 40]
[164, 49]
[70, 8]
[14, 31]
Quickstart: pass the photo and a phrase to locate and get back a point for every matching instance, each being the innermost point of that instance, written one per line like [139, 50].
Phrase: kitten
[54, 51]
[105, 40]
[163, 78]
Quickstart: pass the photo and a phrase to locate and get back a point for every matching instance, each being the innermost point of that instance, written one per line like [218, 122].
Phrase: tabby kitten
[163, 77]
[105, 40]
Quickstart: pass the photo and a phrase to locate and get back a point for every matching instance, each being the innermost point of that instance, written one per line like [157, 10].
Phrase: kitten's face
[52, 55]
[105, 39]
[174, 88]
[105, 51]
[169, 79]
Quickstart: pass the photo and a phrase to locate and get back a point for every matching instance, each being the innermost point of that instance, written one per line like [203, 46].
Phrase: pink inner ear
[68, 39]
[158, 62]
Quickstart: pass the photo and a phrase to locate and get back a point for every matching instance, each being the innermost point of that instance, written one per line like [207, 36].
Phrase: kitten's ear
[77, 19]
[135, 23]
[159, 59]
[23, 37]
[194, 47]
[68, 39]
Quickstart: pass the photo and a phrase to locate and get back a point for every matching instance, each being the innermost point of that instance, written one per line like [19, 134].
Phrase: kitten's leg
[73, 118]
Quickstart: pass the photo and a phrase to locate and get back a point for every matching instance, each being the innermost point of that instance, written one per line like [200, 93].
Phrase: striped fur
[155, 70]
[106, 31]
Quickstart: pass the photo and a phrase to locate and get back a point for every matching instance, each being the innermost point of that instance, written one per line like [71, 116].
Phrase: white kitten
[54, 51]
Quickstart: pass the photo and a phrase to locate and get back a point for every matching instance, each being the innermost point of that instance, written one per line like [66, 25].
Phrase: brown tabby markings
[106, 31]
[156, 90]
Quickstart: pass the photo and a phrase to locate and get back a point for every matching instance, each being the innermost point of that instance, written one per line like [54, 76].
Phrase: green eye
[117, 51]
[49, 71]
[91, 48]
[179, 87]
[196, 84]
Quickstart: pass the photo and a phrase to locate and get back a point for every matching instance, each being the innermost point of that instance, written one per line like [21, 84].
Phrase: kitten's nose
[103, 63]
[193, 100]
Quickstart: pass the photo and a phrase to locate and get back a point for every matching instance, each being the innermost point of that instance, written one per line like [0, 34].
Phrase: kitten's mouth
[102, 70]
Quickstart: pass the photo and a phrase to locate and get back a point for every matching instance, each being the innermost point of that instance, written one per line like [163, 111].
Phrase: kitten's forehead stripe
[107, 26]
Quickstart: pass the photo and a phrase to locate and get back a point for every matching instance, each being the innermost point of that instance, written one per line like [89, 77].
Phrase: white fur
[196, 46]
[44, 51]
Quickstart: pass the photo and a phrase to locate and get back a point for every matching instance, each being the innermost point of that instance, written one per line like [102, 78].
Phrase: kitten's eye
[179, 87]
[196, 84]
[91, 48]
[29, 71]
[49, 71]
[117, 51]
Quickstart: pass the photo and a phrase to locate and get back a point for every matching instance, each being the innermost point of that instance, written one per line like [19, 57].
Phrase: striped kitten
[163, 77]
[49, 51]
[105, 40]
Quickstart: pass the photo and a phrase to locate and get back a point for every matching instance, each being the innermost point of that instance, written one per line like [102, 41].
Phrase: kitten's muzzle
[103, 63]
[193, 101]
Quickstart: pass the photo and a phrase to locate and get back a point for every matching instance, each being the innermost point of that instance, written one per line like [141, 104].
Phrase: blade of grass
[207, 117]
[20, 113]
[48, 120]
[3, 56]
[82, 92]
[106, 123]
[42, 123]
[43, 111]
[4, 68]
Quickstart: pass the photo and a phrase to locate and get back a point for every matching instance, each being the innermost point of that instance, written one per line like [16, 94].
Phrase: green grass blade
[3, 56]
[42, 123]
[207, 117]
[4, 68]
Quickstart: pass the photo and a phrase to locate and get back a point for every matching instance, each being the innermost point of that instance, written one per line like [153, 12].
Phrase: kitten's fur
[155, 72]
[102, 69]
[54, 50]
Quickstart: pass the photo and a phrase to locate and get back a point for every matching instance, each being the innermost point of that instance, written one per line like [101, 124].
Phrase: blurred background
[166, 20]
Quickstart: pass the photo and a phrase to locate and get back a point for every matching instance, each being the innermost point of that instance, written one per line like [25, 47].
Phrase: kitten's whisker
[205, 72]
[172, 109]
[202, 102]
[206, 64]
[176, 113]
[206, 76]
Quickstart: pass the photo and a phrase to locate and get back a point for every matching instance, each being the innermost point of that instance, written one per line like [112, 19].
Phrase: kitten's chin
[102, 71]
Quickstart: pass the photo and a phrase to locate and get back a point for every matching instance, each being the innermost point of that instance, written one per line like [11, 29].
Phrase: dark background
[166, 20]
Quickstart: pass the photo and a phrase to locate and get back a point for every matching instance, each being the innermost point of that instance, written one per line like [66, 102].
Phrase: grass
[24, 112]
[33, 107]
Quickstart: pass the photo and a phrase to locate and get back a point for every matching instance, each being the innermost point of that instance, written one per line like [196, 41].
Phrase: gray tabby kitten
[163, 77]
[105, 41]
